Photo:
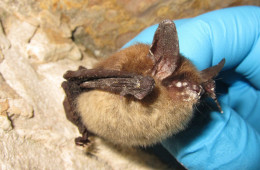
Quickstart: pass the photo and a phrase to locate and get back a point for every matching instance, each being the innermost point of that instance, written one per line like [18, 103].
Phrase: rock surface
[104, 26]
[39, 41]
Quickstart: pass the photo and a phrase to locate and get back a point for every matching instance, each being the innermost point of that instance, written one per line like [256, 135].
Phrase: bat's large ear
[208, 82]
[211, 72]
[165, 50]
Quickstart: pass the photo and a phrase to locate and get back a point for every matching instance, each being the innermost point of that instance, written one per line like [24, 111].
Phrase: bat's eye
[185, 90]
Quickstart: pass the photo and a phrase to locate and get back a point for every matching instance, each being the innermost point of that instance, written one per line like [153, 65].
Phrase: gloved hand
[230, 140]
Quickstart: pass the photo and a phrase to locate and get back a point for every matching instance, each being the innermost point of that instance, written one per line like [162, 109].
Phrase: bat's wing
[72, 90]
[119, 82]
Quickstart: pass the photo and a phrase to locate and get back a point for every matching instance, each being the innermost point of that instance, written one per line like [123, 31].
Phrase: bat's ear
[211, 72]
[165, 50]
[208, 82]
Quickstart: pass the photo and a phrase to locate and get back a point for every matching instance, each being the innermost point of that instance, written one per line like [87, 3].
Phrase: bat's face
[154, 90]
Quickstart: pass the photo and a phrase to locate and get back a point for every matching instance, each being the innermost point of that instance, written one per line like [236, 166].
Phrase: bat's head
[163, 61]
[182, 80]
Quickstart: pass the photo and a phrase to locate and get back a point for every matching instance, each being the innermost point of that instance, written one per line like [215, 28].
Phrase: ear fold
[165, 50]
[211, 72]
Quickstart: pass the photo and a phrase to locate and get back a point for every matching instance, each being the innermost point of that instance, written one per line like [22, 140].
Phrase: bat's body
[163, 105]
[126, 120]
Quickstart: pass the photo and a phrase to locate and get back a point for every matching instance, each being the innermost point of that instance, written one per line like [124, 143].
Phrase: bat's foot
[82, 141]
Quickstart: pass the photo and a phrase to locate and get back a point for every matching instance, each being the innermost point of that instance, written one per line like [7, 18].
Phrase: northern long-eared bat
[141, 94]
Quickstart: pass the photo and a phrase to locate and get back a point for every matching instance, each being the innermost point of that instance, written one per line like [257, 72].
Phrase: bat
[140, 95]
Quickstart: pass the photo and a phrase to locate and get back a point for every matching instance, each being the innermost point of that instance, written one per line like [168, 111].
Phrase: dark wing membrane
[119, 82]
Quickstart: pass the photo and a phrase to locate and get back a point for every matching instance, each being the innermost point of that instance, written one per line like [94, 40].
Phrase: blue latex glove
[230, 140]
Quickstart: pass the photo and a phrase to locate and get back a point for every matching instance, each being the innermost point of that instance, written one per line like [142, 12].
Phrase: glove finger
[231, 33]
[222, 142]
[244, 99]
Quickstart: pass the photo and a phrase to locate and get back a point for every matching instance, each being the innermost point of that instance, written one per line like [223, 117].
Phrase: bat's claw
[81, 67]
[81, 141]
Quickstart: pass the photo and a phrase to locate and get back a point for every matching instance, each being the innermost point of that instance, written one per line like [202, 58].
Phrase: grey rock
[4, 42]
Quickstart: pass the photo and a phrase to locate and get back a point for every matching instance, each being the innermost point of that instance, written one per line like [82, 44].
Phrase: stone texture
[19, 107]
[4, 42]
[5, 123]
[49, 45]
[39, 41]
[18, 153]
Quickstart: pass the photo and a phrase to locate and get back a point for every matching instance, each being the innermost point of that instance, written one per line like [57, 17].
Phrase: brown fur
[131, 59]
[128, 121]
